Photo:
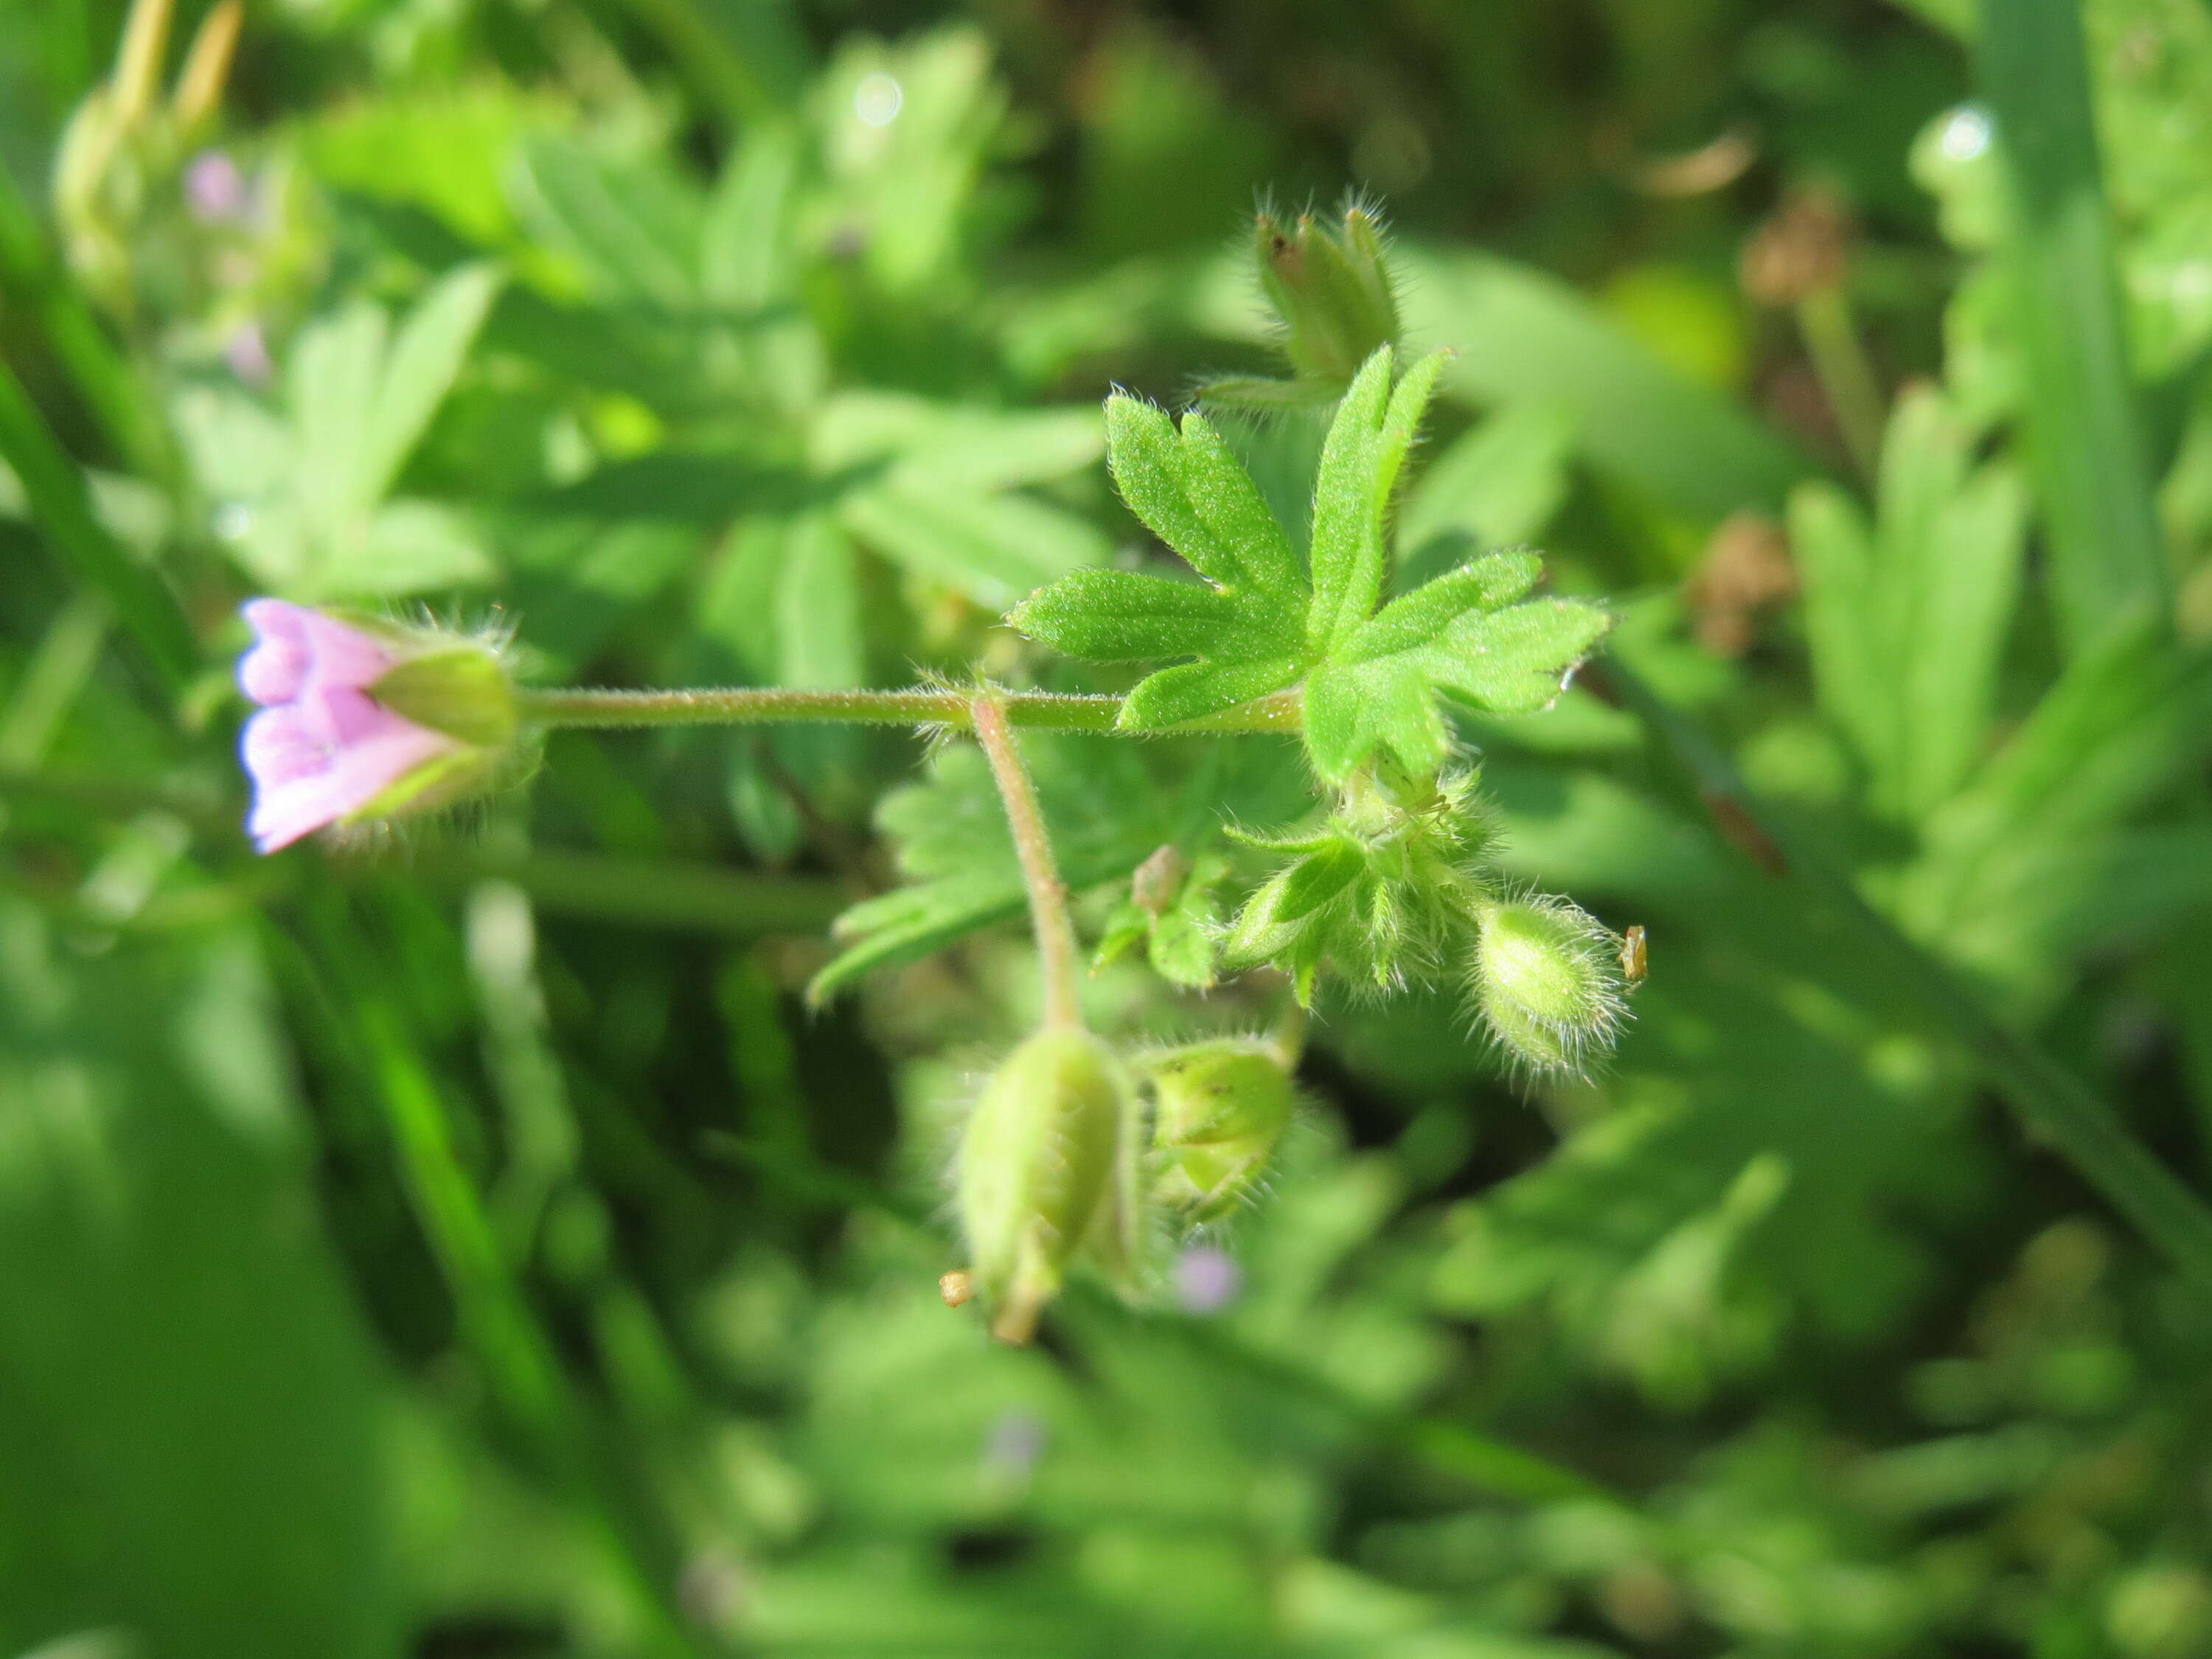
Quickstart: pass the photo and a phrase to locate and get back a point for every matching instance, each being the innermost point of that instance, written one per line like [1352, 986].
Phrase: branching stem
[1055, 928]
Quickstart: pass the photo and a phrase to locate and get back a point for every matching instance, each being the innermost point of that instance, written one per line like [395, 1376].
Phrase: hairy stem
[1055, 928]
[917, 706]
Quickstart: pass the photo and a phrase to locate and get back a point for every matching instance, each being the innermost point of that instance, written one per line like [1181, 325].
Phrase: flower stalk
[1058, 957]
[1046, 711]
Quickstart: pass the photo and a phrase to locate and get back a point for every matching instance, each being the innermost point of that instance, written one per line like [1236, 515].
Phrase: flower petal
[280, 745]
[276, 667]
[357, 773]
[344, 655]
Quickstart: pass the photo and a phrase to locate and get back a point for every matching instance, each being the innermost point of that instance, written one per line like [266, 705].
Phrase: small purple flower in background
[1207, 1279]
[322, 749]
[216, 190]
[1012, 1445]
[246, 352]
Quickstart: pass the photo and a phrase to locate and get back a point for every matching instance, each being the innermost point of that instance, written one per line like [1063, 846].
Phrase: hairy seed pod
[1219, 1107]
[1042, 1159]
[1546, 976]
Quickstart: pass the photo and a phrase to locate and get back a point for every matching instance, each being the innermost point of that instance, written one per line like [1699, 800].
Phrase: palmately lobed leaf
[1256, 625]
[1462, 633]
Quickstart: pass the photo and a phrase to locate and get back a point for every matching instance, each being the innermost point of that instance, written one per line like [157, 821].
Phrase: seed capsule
[1044, 1164]
[1219, 1107]
[1547, 978]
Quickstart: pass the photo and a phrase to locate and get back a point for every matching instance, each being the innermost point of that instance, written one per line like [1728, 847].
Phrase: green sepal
[442, 781]
[463, 691]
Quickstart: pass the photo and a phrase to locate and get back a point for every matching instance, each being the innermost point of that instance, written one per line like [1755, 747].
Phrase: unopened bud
[1218, 1108]
[1286, 909]
[1330, 284]
[1546, 976]
[1046, 1161]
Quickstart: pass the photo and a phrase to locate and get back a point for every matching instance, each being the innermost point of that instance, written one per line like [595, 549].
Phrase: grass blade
[2084, 427]
[147, 611]
[30, 273]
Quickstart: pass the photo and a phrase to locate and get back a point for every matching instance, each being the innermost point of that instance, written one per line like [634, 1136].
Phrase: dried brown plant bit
[1699, 172]
[958, 1288]
[1157, 882]
[1802, 250]
[1635, 954]
[1745, 570]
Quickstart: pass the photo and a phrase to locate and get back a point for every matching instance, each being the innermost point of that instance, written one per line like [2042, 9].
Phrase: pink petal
[343, 714]
[276, 667]
[358, 773]
[280, 745]
[281, 816]
[344, 655]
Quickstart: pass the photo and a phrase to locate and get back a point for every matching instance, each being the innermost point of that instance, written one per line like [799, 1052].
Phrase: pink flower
[322, 749]
[247, 351]
[1207, 1279]
[216, 190]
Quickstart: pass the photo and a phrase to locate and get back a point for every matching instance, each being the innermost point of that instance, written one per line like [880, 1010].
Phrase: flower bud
[1546, 976]
[1331, 287]
[1218, 1108]
[360, 721]
[1047, 1167]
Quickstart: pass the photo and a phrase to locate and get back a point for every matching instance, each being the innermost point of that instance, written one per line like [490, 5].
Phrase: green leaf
[1523, 334]
[1182, 950]
[1499, 483]
[54, 487]
[425, 359]
[336, 372]
[1907, 620]
[1462, 632]
[2126, 723]
[1118, 616]
[634, 229]
[1245, 623]
[1193, 493]
[408, 547]
[992, 548]
[1193, 690]
[950, 830]
[961, 447]
[197, 1408]
[2107, 553]
[817, 609]
[1360, 466]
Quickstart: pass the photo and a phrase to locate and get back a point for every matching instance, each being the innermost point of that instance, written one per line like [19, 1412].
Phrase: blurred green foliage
[475, 1244]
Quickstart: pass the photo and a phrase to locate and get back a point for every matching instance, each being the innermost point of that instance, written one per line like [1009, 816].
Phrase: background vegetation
[472, 1243]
